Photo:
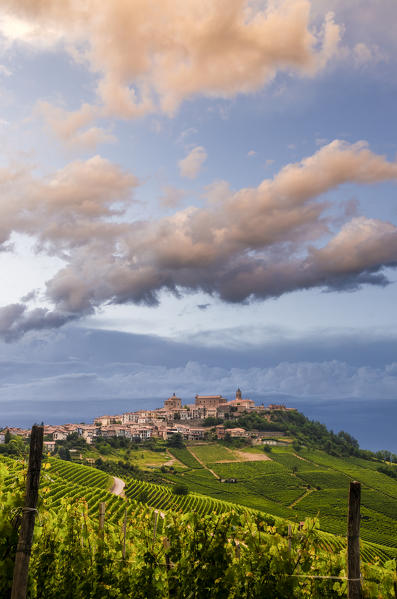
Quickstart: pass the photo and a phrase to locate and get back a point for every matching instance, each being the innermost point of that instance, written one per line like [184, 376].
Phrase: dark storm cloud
[16, 320]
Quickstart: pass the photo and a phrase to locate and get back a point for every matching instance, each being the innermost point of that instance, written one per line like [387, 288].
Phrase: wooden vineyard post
[353, 541]
[124, 532]
[21, 567]
[101, 528]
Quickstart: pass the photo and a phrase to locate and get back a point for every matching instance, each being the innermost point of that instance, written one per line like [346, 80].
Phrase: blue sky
[213, 181]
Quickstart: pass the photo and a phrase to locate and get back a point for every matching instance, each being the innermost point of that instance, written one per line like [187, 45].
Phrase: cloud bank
[320, 380]
[253, 243]
[84, 364]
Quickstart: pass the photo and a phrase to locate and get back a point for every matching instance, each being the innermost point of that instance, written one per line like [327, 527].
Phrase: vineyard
[66, 480]
[295, 486]
[142, 552]
[289, 487]
[274, 492]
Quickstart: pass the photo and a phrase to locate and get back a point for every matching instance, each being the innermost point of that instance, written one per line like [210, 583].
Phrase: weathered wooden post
[21, 567]
[353, 541]
[102, 508]
[124, 532]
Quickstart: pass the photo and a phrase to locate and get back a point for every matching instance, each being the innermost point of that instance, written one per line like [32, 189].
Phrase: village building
[173, 403]
[162, 422]
[237, 432]
[107, 420]
[90, 433]
[209, 401]
[280, 407]
[49, 446]
[59, 435]
[141, 432]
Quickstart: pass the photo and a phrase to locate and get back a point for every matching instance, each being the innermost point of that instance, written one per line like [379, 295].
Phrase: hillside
[304, 472]
[297, 472]
[294, 485]
[231, 549]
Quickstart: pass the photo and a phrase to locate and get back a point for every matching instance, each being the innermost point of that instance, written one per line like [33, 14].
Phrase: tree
[176, 441]
[16, 446]
[7, 436]
[211, 421]
[296, 445]
[180, 489]
[64, 453]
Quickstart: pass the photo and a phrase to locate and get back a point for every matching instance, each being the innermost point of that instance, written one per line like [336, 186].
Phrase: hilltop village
[164, 422]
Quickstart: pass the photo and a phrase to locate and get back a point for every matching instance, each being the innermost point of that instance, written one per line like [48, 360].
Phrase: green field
[213, 452]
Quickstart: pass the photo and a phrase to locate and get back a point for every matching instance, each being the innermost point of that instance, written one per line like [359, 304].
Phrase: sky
[198, 195]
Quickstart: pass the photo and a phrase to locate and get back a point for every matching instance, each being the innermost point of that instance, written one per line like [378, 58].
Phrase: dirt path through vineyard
[118, 487]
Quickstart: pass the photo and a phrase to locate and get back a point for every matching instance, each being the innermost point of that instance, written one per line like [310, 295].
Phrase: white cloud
[364, 54]
[171, 196]
[68, 127]
[253, 243]
[190, 166]
[153, 60]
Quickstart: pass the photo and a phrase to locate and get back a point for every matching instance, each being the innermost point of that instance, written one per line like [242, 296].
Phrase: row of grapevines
[158, 556]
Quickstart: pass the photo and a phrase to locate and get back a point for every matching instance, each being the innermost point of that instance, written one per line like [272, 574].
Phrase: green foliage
[235, 442]
[211, 548]
[212, 421]
[212, 452]
[64, 453]
[13, 445]
[73, 441]
[184, 456]
[386, 455]
[255, 421]
[388, 470]
[314, 434]
[227, 556]
[180, 489]
[306, 432]
[277, 486]
[176, 441]
[11, 496]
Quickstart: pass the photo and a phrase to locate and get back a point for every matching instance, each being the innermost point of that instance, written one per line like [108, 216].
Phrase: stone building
[173, 403]
[209, 401]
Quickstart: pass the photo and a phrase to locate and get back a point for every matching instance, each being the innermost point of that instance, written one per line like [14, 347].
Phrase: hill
[299, 471]
[198, 547]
